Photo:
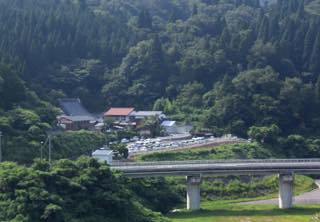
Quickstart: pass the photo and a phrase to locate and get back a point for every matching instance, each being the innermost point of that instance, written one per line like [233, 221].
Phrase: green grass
[230, 211]
[214, 209]
[230, 151]
[260, 188]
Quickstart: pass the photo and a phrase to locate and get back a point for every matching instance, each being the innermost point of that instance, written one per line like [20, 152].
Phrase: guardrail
[197, 162]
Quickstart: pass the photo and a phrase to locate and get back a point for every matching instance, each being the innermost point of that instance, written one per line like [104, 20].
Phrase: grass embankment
[220, 194]
[228, 211]
[231, 151]
[231, 187]
[250, 187]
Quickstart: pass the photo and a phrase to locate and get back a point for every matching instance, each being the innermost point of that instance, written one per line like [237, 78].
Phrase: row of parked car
[159, 144]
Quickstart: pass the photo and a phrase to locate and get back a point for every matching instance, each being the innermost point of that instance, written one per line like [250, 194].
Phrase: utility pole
[0, 147]
[49, 137]
[41, 150]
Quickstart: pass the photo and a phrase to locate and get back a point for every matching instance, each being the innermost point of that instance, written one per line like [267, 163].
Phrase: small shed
[169, 126]
[103, 154]
[173, 127]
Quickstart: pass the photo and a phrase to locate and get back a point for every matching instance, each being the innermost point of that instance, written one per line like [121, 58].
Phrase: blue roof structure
[168, 123]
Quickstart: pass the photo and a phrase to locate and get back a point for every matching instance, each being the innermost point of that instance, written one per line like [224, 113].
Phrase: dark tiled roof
[73, 107]
[78, 118]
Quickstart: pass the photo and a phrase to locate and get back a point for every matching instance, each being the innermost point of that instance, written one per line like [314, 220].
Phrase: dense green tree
[157, 194]
[144, 19]
[152, 124]
[264, 134]
[295, 146]
[314, 59]
[81, 190]
[190, 95]
[121, 150]
[12, 88]
[222, 65]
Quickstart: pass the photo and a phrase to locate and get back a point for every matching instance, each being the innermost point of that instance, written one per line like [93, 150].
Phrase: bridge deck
[218, 167]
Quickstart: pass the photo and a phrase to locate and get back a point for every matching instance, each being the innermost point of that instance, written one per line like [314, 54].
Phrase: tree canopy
[223, 65]
[82, 190]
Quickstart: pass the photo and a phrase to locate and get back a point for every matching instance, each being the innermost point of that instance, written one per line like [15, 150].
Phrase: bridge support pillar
[285, 190]
[193, 192]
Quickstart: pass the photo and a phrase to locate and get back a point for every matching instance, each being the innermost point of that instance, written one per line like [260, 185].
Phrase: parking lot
[161, 144]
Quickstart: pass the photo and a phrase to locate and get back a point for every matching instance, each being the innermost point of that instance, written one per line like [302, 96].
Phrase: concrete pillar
[285, 190]
[193, 192]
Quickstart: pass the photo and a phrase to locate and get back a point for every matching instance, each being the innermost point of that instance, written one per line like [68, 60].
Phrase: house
[75, 116]
[119, 114]
[76, 122]
[120, 117]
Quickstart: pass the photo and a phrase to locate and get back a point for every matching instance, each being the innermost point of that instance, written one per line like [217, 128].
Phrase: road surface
[312, 197]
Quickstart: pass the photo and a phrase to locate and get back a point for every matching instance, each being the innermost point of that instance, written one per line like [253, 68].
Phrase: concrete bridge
[195, 170]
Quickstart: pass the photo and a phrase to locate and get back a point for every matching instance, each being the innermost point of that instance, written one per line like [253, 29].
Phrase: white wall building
[103, 154]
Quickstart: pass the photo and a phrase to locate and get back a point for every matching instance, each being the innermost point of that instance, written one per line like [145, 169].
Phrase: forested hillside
[225, 65]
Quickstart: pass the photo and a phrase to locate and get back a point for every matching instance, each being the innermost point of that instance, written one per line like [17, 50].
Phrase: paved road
[312, 197]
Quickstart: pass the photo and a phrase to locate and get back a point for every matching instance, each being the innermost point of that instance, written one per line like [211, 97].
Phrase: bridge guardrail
[157, 163]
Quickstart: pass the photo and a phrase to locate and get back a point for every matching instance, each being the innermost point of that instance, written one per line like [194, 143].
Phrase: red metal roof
[119, 111]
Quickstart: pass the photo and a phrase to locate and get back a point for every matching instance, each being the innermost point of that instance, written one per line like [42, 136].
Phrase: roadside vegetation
[230, 151]
[230, 187]
[233, 188]
[240, 187]
[230, 211]
[215, 191]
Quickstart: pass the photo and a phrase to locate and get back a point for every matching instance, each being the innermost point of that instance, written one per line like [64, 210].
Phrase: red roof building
[117, 112]
[120, 116]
